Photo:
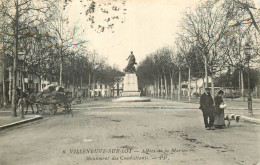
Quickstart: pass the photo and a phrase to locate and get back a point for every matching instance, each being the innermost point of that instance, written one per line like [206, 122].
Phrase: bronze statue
[131, 62]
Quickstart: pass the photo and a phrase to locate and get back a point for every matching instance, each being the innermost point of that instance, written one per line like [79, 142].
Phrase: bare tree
[205, 26]
[20, 12]
[241, 12]
[187, 51]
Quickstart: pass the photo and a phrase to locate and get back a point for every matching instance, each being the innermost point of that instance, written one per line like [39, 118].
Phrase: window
[100, 86]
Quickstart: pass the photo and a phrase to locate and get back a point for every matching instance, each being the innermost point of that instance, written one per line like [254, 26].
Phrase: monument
[130, 80]
[130, 89]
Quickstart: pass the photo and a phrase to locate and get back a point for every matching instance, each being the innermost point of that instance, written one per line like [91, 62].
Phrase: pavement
[103, 132]
[8, 122]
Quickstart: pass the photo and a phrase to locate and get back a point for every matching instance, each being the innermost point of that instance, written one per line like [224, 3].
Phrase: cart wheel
[41, 109]
[53, 109]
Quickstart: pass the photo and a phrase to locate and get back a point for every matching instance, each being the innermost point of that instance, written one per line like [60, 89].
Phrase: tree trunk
[256, 92]
[196, 87]
[10, 70]
[158, 87]
[73, 77]
[89, 85]
[154, 89]
[109, 91]
[61, 67]
[179, 88]
[239, 80]
[162, 92]
[242, 84]
[1, 79]
[212, 88]
[40, 84]
[113, 91]
[68, 82]
[1, 90]
[171, 88]
[81, 90]
[189, 90]
[4, 88]
[206, 71]
[73, 84]
[3, 75]
[22, 81]
[165, 87]
[14, 114]
[248, 79]
[22, 96]
[94, 85]
[81, 86]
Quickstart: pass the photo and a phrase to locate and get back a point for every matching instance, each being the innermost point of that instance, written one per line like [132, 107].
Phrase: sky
[149, 25]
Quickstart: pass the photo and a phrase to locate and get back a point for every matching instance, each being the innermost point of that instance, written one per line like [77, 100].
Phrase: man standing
[206, 105]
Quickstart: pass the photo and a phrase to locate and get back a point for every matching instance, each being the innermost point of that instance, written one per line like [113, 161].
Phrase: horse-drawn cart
[52, 97]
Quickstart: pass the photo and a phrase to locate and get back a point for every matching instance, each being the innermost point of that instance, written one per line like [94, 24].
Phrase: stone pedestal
[130, 90]
[130, 85]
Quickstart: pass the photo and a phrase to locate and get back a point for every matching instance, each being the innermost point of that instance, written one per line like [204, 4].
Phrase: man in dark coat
[206, 105]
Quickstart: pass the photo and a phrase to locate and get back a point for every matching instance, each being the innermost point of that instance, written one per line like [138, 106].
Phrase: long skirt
[219, 119]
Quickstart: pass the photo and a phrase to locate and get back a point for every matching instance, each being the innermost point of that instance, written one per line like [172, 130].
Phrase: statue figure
[131, 62]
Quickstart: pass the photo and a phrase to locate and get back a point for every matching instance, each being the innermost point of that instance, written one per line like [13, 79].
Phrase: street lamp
[248, 49]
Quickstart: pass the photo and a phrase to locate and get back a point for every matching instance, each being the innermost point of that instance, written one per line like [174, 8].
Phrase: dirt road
[129, 136]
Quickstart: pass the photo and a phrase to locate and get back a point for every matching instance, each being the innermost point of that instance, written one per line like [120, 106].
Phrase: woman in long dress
[219, 121]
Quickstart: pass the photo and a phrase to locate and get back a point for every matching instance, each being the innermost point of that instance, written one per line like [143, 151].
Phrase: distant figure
[219, 114]
[21, 103]
[206, 105]
[131, 62]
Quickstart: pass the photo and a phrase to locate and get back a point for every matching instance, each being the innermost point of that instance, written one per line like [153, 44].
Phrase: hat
[220, 92]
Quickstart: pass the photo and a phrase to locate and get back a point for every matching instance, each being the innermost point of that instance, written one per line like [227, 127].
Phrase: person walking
[219, 121]
[206, 105]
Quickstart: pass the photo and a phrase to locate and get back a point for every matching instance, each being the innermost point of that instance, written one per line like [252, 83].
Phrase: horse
[30, 101]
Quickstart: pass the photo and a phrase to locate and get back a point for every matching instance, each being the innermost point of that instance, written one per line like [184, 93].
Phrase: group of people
[213, 113]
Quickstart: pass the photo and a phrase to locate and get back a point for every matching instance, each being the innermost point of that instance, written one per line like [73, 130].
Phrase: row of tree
[37, 37]
[212, 37]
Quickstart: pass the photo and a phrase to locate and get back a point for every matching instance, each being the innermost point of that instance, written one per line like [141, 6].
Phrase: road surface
[128, 135]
